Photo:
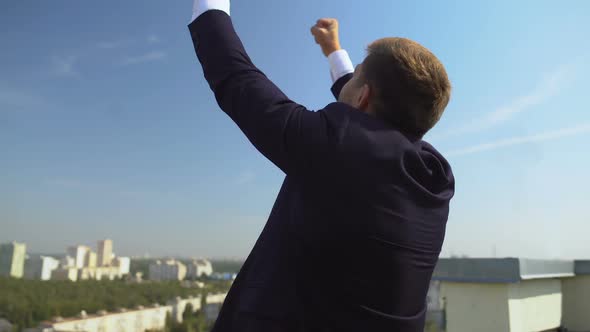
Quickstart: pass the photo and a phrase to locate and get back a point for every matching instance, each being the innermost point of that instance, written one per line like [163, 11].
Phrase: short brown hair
[411, 85]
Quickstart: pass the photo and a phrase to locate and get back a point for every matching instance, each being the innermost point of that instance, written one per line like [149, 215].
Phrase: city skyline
[69, 249]
[110, 131]
[78, 262]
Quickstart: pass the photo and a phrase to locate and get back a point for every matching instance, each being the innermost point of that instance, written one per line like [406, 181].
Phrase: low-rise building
[138, 319]
[512, 295]
[179, 306]
[168, 270]
[576, 298]
[5, 325]
[213, 303]
[224, 276]
[135, 278]
[199, 268]
[99, 273]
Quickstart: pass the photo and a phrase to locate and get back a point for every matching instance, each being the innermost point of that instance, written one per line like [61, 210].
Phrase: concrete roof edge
[582, 267]
[502, 270]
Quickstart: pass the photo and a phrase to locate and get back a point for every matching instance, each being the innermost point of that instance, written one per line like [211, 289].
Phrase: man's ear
[364, 97]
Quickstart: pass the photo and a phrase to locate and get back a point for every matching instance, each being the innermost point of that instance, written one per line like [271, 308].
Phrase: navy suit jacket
[358, 225]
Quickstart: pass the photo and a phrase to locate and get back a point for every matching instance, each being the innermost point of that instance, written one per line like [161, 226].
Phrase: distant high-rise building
[81, 263]
[91, 259]
[79, 253]
[12, 259]
[40, 267]
[68, 261]
[124, 264]
[105, 252]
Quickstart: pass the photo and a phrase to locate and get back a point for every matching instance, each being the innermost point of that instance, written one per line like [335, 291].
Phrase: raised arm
[326, 34]
[293, 138]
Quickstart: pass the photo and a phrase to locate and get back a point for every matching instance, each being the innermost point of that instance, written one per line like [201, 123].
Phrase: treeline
[227, 266]
[26, 303]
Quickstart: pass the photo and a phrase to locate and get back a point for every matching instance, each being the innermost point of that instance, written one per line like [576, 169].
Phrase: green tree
[188, 312]
[26, 303]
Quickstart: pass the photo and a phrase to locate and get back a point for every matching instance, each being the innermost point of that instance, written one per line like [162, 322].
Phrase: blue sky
[107, 128]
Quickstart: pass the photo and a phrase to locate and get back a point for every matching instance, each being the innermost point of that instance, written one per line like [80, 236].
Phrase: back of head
[410, 87]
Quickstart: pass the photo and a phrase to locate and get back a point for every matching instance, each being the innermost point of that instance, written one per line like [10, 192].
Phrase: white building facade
[199, 268]
[576, 298]
[123, 264]
[67, 261]
[5, 326]
[79, 254]
[213, 303]
[12, 259]
[168, 270]
[40, 267]
[510, 294]
[105, 252]
[81, 263]
[91, 259]
[139, 319]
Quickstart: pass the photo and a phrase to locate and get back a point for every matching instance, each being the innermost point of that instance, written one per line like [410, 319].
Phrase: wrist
[329, 49]
[340, 64]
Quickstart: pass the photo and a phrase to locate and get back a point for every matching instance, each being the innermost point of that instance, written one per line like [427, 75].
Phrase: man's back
[357, 227]
[356, 248]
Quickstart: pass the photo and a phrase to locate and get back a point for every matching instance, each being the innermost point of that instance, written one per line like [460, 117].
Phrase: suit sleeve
[288, 134]
[339, 84]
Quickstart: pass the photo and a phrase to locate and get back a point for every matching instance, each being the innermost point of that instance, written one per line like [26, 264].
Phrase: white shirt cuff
[201, 6]
[340, 64]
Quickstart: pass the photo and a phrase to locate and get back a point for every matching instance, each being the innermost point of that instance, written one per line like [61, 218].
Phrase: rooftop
[582, 267]
[100, 314]
[504, 270]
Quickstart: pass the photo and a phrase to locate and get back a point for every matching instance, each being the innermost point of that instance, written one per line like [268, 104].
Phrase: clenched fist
[325, 32]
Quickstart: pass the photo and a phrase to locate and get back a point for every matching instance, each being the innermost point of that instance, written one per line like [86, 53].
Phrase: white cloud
[64, 65]
[547, 88]
[148, 57]
[153, 39]
[544, 136]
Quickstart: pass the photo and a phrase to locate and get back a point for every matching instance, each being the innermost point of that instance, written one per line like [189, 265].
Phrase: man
[357, 227]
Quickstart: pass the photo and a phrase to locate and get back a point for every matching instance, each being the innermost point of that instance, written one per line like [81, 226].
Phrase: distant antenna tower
[494, 251]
